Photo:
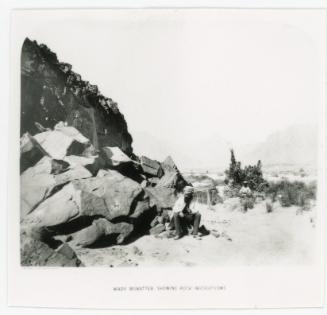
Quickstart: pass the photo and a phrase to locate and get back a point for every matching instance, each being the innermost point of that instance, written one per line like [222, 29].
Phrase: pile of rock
[73, 195]
[81, 183]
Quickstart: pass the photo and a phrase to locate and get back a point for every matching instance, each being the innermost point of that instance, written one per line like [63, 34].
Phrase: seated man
[184, 214]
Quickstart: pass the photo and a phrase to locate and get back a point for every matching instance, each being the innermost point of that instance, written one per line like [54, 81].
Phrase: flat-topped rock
[114, 157]
[117, 191]
[150, 167]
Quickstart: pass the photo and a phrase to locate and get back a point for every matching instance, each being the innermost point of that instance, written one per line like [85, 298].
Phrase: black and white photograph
[170, 138]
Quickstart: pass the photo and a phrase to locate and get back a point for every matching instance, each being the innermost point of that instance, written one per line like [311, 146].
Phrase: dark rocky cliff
[52, 92]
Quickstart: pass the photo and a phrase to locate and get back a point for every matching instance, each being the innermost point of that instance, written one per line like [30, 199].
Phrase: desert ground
[284, 236]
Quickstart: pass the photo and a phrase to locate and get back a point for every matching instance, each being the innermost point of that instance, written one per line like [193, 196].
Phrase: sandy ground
[252, 238]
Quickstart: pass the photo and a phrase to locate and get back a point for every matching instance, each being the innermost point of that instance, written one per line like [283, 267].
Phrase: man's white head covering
[188, 190]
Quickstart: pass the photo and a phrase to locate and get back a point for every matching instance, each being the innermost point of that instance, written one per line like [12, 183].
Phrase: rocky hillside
[51, 92]
[81, 183]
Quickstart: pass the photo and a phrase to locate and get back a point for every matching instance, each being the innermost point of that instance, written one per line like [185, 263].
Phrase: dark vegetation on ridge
[51, 92]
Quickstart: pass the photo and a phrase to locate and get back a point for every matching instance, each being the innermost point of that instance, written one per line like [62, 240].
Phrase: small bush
[269, 207]
[292, 193]
[247, 203]
[231, 192]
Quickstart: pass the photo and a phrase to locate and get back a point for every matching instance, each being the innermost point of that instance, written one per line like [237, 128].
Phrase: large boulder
[30, 152]
[93, 205]
[100, 228]
[92, 163]
[36, 184]
[61, 142]
[169, 180]
[103, 173]
[123, 229]
[39, 181]
[63, 206]
[150, 167]
[161, 197]
[76, 160]
[71, 132]
[114, 157]
[78, 172]
[89, 235]
[119, 192]
[68, 252]
[36, 253]
[54, 143]
[168, 164]
[172, 177]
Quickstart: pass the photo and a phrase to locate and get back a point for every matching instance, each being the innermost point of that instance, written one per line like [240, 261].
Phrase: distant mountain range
[294, 146]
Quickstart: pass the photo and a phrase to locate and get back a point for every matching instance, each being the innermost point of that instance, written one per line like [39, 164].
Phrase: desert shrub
[302, 173]
[269, 206]
[251, 173]
[292, 193]
[231, 191]
[247, 203]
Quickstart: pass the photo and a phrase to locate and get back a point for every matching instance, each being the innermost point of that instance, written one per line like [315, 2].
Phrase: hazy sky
[186, 76]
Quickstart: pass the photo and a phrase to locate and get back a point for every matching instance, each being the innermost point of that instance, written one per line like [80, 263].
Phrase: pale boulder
[63, 206]
[123, 229]
[92, 205]
[62, 141]
[54, 143]
[162, 197]
[171, 178]
[36, 253]
[71, 132]
[114, 156]
[78, 172]
[118, 192]
[76, 160]
[100, 228]
[89, 235]
[35, 185]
